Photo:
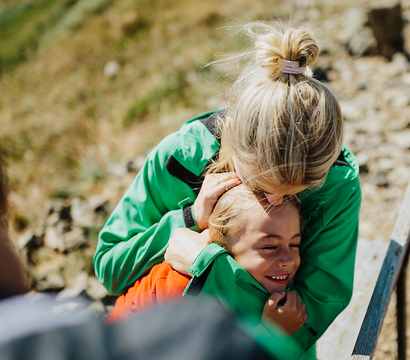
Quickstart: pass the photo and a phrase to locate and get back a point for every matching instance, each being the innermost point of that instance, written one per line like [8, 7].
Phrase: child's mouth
[279, 279]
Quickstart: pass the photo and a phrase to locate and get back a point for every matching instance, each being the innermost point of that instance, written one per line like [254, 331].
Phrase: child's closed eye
[269, 247]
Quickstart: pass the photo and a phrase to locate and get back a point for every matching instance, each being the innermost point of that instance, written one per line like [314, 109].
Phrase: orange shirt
[162, 284]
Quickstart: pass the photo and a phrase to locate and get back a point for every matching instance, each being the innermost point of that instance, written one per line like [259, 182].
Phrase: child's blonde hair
[284, 128]
[229, 212]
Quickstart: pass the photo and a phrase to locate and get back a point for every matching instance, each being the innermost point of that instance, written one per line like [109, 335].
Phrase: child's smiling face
[268, 245]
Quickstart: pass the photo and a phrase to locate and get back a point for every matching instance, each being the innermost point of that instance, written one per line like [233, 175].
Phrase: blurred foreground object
[172, 332]
[12, 278]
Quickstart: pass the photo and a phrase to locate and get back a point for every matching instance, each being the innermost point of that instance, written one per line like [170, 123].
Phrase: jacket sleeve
[136, 234]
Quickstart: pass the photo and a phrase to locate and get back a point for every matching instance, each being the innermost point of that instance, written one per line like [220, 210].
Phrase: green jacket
[136, 234]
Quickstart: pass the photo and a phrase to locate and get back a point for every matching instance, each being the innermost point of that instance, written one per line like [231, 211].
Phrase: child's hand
[212, 188]
[286, 310]
[183, 248]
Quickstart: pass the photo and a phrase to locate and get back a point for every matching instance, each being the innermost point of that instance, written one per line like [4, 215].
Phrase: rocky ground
[375, 99]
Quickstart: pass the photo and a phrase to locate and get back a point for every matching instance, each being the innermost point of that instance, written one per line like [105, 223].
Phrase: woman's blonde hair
[228, 215]
[283, 128]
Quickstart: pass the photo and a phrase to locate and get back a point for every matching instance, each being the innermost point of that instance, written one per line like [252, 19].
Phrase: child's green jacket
[136, 234]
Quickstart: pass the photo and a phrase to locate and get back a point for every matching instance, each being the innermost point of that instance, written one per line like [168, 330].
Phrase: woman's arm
[136, 234]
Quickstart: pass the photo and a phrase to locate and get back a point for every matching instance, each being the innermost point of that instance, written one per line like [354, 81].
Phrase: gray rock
[81, 213]
[385, 165]
[362, 42]
[52, 219]
[79, 285]
[136, 165]
[74, 239]
[54, 240]
[401, 139]
[98, 203]
[363, 161]
[53, 281]
[380, 179]
[95, 289]
[111, 69]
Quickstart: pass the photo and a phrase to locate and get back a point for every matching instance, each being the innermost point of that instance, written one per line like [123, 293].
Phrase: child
[262, 238]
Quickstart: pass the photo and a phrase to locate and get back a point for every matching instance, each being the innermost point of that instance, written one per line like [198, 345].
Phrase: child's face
[268, 245]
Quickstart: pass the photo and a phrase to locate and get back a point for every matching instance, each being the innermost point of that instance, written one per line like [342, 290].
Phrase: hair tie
[291, 67]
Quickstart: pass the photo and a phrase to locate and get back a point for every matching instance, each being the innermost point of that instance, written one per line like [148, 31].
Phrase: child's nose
[285, 258]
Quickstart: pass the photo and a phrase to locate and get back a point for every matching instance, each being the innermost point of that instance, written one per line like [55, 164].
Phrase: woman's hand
[213, 187]
[286, 310]
[183, 248]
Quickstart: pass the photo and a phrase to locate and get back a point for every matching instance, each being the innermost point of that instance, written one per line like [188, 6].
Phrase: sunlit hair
[285, 129]
[230, 212]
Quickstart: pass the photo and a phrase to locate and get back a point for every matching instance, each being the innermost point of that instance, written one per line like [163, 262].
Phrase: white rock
[111, 69]
[79, 285]
[53, 240]
[95, 289]
[74, 239]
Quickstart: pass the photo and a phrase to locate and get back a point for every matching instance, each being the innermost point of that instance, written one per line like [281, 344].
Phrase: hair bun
[293, 44]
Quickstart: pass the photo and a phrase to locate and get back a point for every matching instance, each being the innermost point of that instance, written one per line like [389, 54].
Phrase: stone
[401, 62]
[136, 164]
[401, 139]
[56, 205]
[351, 111]
[362, 42]
[79, 285]
[74, 239]
[25, 239]
[385, 165]
[363, 161]
[111, 69]
[51, 282]
[53, 239]
[52, 219]
[95, 289]
[81, 213]
[98, 203]
[117, 170]
[380, 179]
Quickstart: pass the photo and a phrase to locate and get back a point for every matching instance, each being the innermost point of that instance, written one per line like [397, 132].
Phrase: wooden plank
[401, 311]
[386, 282]
[338, 341]
[402, 227]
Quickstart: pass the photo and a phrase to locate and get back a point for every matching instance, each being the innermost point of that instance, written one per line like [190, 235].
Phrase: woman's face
[268, 245]
[274, 193]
